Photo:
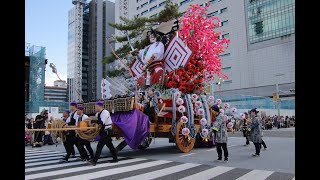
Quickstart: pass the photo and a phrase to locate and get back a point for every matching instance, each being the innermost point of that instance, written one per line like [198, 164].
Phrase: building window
[270, 19]
[213, 1]
[144, 4]
[144, 12]
[213, 14]
[154, 7]
[154, 15]
[163, 3]
[258, 28]
[184, 2]
[225, 35]
[223, 55]
[259, 10]
[223, 23]
[223, 10]
[227, 82]
[204, 4]
[151, 1]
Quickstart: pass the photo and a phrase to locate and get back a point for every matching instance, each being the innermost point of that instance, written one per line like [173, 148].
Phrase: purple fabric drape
[134, 125]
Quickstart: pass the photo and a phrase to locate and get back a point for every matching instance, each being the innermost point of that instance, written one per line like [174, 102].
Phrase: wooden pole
[60, 129]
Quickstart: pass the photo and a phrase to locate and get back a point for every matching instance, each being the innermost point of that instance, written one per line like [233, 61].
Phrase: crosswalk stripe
[52, 162]
[233, 174]
[42, 159]
[162, 172]
[109, 172]
[256, 175]
[42, 156]
[44, 150]
[73, 163]
[44, 164]
[55, 166]
[41, 153]
[187, 155]
[210, 173]
[65, 171]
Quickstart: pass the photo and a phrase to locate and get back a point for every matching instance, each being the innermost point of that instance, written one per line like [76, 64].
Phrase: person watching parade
[220, 128]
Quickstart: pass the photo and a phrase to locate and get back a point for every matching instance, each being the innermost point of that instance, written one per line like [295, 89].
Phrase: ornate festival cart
[181, 119]
[190, 58]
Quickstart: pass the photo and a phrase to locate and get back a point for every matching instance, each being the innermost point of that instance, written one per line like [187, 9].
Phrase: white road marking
[163, 172]
[113, 171]
[210, 173]
[256, 175]
[187, 155]
[79, 169]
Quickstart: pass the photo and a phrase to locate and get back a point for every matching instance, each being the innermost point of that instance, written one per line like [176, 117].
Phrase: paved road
[162, 160]
[44, 164]
[282, 132]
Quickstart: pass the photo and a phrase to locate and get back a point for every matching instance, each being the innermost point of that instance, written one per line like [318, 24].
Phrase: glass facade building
[269, 19]
[72, 52]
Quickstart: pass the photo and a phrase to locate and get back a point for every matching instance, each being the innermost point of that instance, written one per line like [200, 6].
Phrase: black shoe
[91, 162]
[226, 160]
[73, 156]
[255, 155]
[219, 159]
[113, 161]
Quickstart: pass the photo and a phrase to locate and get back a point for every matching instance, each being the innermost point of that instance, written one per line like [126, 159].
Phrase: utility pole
[277, 91]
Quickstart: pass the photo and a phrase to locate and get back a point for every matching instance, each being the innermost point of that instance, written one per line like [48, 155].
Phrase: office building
[262, 48]
[96, 16]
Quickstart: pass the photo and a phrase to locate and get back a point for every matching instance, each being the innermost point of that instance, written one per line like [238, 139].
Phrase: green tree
[136, 26]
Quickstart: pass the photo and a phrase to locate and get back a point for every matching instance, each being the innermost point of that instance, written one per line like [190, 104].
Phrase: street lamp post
[54, 70]
[277, 91]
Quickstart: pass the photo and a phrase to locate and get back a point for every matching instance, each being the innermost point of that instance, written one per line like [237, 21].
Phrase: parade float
[186, 56]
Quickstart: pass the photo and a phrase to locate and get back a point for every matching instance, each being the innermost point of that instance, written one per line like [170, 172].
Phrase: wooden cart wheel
[183, 142]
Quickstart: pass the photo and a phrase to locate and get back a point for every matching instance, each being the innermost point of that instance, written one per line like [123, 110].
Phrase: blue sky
[46, 24]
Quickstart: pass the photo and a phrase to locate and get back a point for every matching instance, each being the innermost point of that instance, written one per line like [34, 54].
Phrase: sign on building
[54, 110]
